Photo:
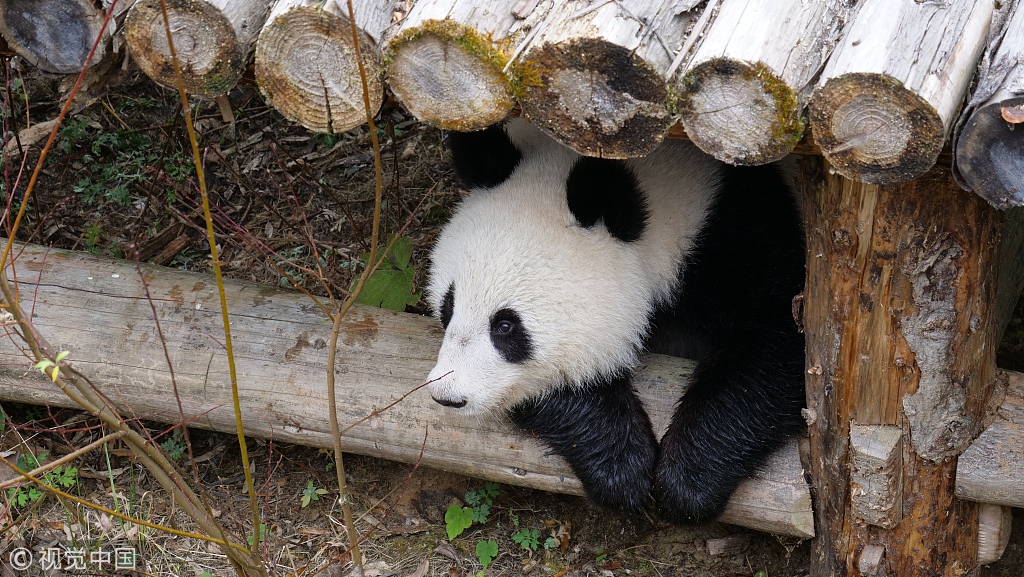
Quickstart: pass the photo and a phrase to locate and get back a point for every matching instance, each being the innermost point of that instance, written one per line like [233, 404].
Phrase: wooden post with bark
[306, 64]
[743, 94]
[990, 145]
[890, 92]
[447, 63]
[901, 333]
[594, 76]
[213, 40]
[54, 35]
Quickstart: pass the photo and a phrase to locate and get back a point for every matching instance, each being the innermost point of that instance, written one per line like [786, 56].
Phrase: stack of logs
[880, 83]
[903, 312]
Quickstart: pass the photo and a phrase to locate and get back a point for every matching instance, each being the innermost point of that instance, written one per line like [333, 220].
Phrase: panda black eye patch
[510, 337]
[448, 306]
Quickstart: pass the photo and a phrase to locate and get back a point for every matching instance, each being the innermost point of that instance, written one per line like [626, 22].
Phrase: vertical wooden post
[899, 314]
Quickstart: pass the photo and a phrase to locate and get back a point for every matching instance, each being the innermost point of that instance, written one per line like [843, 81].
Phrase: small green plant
[175, 445]
[311, 493]
[761, 574]
[263, 535]
[457, 519]
[528, 539]
[602, 554]
[64, 477]
[391, 285]
[486, 551]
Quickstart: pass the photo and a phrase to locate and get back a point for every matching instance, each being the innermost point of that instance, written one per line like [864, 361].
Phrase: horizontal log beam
[95, 308]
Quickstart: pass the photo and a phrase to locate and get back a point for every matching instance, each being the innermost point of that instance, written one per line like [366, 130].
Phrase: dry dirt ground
[293, 207]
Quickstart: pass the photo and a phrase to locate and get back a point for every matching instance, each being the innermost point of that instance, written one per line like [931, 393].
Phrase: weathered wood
[306, 63]
[447, 63]
[992, 468]
[876, 475]
[594, 76]
[990, 146]
[213, 40]
[54, 35]
[995, 524]
[95, 308]
[899, 315]
[742, 96]
[889, 94]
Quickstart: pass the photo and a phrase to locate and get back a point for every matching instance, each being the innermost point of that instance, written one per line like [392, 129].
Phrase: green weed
[391, 285]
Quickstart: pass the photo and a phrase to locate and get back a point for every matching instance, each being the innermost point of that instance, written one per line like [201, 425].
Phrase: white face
[535, 299]
[538, 301]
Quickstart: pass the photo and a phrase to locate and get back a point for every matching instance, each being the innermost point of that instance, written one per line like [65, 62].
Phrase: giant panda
[558, 270]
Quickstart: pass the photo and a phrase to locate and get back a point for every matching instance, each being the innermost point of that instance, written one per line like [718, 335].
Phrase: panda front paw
[604, 434]
[622, 476]
[688, 494]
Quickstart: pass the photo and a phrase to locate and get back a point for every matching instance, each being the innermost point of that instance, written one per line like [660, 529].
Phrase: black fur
[605, 435]
[510, 337]
[448, 305]
[485, 158]
[605, 190]
[734, 316]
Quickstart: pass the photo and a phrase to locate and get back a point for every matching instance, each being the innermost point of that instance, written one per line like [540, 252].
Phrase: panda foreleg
[605, 435]
[743, 403]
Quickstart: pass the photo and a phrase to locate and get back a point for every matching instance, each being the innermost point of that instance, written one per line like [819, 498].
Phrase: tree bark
[990, 146]
[743, 94]
[889, 94]
[96, 309]
[213, 40]
[594, 77]
[306, 63]
[900, 320]
[54, 35]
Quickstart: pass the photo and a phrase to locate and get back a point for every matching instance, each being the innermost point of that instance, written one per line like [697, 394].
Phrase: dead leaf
[422, 568]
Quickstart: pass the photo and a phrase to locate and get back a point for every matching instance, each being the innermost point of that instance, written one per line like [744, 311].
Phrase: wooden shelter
[914, 256]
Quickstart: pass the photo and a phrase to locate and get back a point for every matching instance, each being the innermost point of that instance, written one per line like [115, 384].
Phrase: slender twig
[65, 459]
[112, 512]
[215, 261]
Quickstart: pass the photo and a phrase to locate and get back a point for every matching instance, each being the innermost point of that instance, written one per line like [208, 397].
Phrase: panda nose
[450, 403]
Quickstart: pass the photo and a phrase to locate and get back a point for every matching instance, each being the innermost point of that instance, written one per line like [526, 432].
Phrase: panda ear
[605, 190]
[485, 158]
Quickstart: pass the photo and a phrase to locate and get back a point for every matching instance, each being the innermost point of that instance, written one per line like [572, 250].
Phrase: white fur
[584, 297]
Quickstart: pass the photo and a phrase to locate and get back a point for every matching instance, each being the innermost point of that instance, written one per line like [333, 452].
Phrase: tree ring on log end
[990, 155]
[306, 68]
[874, 130]
[209, 55]
[595, 97]
[53, 35]
[739, 113]
[449, 75]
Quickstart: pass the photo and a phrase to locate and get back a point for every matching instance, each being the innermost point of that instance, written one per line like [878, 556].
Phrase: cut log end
[53, 35]
[306, 68]
[740, 113]
[449, 75]
[872, 129]
[990, 153]
[595, 97]
[209, 54]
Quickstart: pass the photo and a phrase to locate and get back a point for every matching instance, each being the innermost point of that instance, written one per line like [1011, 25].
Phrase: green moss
[789, 125]
[480, 45]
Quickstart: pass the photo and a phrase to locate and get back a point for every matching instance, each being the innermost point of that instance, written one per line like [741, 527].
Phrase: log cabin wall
[908, 274]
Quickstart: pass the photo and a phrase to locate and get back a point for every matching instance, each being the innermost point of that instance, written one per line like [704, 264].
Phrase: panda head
[536, 278]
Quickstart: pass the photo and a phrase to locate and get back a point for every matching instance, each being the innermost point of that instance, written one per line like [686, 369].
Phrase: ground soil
[295, 208]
